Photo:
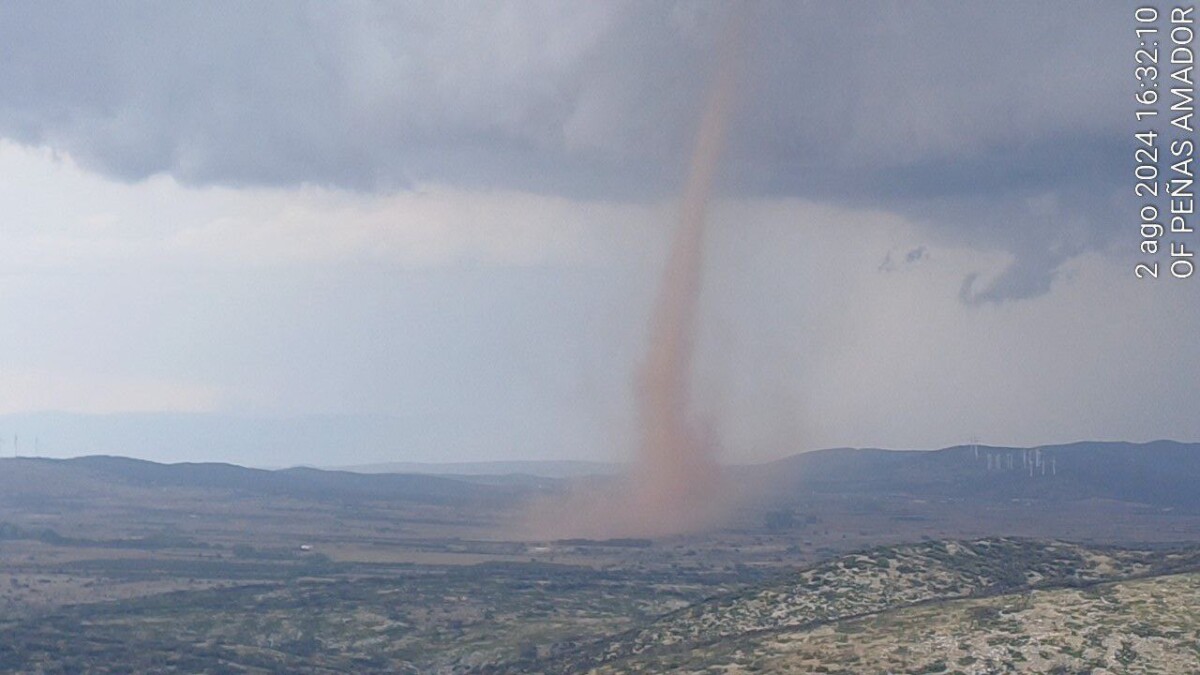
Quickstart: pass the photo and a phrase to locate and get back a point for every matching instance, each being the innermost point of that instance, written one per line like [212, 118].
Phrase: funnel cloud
[674, 483]
[675, 471]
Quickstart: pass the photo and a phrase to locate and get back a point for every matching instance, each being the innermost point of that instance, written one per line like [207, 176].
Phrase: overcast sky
[452, 216]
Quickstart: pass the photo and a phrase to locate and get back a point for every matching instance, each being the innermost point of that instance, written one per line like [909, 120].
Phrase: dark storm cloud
[967, 117]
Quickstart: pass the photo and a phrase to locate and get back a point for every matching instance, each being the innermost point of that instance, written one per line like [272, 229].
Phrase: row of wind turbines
[1032, 460]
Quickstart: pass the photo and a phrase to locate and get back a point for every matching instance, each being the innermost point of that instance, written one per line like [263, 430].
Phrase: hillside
[41, 477]
[875, 581]
[1146, 625]
[1161, 473]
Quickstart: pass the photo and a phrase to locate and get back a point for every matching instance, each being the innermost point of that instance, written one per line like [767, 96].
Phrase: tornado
[674, 484]
[675, 469]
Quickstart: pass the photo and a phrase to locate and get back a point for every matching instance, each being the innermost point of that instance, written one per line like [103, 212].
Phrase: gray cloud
[968, 117]
[916, 254]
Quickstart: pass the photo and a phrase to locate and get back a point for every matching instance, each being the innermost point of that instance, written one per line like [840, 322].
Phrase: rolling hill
[1162, 473]
[89, 474]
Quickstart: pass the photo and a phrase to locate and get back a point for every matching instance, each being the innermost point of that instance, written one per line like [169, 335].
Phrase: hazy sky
[454, 214]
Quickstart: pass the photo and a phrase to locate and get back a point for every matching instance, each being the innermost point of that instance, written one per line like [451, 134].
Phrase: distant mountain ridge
[1163, 473]
[542, 468]
[303, 483]
[315, 440]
